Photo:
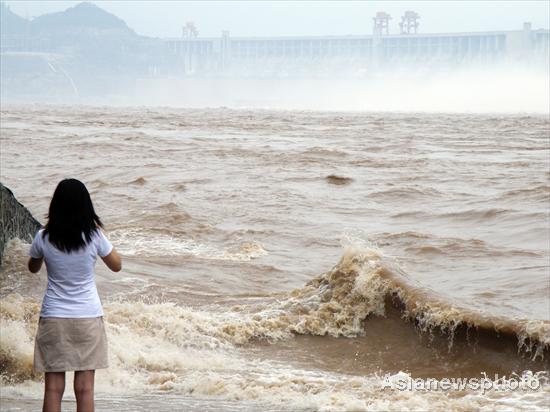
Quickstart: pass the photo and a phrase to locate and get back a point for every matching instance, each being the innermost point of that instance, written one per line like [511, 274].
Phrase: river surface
[293, 259]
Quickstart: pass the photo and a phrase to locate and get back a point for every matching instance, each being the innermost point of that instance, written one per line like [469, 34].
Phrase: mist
[470, 90]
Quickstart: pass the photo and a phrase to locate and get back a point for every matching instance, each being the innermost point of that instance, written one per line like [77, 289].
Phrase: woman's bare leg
[53, 391]
[84, 390]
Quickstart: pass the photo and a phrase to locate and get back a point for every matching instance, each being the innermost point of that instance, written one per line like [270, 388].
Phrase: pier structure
[409, 22]
[296, 55]
[381, 23]
[189, 30]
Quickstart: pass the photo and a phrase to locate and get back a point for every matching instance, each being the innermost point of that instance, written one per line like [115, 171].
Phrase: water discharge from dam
[458, 91]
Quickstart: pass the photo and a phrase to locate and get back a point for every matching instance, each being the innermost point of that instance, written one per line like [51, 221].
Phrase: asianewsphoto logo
[527, 382]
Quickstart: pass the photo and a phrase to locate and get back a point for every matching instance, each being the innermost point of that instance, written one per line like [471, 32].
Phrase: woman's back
[71, 291]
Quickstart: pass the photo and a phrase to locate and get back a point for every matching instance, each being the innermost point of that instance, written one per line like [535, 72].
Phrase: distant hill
[10, 23]
[82, 51]
[83, 16]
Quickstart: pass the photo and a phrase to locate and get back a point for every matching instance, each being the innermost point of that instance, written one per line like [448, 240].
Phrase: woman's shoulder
[97, 233]
[40, 234]
[103, 244]
[97, 236]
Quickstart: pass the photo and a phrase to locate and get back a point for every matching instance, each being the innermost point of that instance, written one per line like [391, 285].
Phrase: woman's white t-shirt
[71, 291]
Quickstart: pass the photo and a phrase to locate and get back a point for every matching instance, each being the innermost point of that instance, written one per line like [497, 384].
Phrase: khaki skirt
[70, 344]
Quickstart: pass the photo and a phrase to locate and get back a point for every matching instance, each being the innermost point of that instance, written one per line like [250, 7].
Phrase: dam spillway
[288, 56]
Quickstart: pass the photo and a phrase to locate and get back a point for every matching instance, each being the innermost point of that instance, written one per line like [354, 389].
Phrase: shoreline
[158, 403]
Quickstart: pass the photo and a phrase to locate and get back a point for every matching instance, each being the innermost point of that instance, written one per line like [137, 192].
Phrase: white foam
[139, 243]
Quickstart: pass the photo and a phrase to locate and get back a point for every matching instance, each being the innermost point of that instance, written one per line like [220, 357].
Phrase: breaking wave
[200, 351]
[337, 303]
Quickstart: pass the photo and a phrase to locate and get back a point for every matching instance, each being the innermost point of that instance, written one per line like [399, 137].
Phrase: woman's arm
[35, 264]
[113, 261]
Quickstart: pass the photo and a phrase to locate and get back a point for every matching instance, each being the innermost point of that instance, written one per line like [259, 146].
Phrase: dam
[357, 54]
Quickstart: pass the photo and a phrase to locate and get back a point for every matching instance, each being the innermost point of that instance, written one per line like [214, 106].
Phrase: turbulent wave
[337, 303]
[201, 351]
[136, 242]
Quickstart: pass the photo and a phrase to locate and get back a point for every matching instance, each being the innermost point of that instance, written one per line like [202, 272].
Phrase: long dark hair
[71, 217]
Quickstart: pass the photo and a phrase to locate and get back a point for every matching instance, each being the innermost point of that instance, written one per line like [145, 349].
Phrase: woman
[71, 335]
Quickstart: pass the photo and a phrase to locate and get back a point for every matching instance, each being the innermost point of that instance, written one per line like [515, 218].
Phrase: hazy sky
[275, 18]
